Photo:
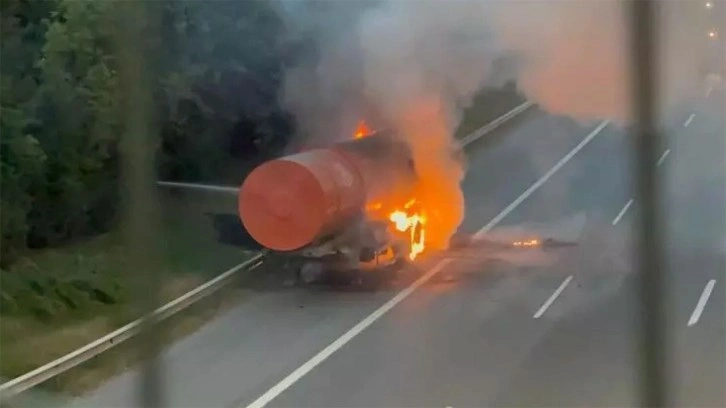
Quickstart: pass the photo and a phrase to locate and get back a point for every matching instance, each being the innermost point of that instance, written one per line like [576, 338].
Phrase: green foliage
[78, 110]
[46, 296]
[22, 158]
[212, 64]
[222, 65]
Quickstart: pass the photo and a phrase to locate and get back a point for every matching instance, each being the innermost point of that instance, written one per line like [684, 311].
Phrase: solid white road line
[552, 298]
[291, 379]
[321, 356]
[623, 211]
[663, 157]
[702, 302]
[689, 120]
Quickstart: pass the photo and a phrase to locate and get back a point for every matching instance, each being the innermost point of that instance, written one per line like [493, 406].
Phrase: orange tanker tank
[294, 201]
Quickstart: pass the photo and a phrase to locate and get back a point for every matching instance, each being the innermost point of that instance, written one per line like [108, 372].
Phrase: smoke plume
[415, 65]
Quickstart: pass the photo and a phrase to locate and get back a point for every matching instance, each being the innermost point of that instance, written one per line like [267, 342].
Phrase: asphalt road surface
[557, 331]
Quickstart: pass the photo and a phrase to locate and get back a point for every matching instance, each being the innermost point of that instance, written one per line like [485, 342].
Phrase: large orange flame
[414, 224]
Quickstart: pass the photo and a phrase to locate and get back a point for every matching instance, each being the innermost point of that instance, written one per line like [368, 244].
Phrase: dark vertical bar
[651, 328]
[137, 169]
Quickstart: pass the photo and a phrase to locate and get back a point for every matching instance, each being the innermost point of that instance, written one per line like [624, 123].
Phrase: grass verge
[57, 300]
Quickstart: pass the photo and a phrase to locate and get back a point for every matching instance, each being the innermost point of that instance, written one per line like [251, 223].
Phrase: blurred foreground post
[137, 169]
[651, 328]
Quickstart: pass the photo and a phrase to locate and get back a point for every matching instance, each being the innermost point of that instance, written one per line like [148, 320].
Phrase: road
[559, 333]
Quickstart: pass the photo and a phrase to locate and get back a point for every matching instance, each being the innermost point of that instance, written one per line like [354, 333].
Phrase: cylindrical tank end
[282, 205]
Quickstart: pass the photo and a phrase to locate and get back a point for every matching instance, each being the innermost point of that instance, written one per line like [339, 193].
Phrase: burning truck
[358, 211]
[345, 211]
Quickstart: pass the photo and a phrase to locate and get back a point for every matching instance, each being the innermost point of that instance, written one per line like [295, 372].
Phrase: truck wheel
[310, 272]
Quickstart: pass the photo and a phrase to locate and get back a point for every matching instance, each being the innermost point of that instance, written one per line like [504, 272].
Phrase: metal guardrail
[41, 374]
[196, 186]
[475, 135]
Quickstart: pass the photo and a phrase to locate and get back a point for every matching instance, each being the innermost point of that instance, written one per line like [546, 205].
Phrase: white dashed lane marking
[702, 302]
[689, 120]
[552, 298]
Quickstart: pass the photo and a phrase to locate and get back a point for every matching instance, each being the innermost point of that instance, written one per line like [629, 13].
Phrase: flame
[527, 243]
[414, 225]
[362, 130]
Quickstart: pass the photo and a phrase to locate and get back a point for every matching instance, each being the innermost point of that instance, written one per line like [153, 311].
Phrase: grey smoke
[415, 65]
[571, 57]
